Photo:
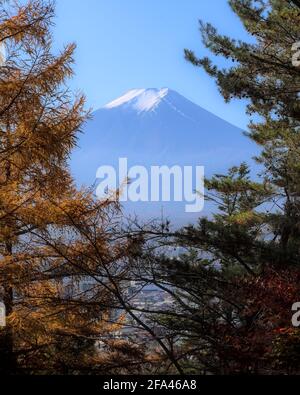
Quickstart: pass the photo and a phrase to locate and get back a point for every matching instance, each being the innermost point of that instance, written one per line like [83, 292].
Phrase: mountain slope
[158, 127]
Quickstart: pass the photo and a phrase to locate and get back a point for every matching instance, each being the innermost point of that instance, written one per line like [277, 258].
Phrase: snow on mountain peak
[140, 99]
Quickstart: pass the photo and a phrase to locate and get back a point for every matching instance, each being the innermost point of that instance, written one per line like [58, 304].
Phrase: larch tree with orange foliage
[52, 236]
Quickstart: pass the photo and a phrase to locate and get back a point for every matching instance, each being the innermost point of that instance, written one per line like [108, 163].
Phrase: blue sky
[139, 44]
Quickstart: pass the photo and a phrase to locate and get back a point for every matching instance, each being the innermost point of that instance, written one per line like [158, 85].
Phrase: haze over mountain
[158, 127]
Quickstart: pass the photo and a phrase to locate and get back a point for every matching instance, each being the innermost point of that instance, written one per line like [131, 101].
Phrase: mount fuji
[158, 127]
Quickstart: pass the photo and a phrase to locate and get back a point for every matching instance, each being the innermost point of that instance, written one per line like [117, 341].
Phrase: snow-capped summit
[140, 99]
[160, 126]
[153, 127]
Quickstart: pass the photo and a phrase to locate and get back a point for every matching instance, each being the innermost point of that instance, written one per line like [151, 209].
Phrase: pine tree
[235, 287]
